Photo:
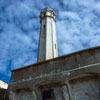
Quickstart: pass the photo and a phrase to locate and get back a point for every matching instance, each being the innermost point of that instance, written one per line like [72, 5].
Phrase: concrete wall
[72, 77]
[4, 95]
[24, 95]
[85, 89]
[57, 66]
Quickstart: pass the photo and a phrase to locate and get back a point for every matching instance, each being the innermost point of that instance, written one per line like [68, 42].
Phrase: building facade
[4, 91]
[75, 76]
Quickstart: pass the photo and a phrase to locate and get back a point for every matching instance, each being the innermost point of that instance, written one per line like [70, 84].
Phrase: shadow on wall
[4, 94]
[85, 87]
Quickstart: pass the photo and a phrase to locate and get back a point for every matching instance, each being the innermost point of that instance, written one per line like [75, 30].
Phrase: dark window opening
[47, 94]
[55, 46]
[44, 14]
[43, 26]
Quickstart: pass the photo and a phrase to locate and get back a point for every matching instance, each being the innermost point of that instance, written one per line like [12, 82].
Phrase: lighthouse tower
[47, 42]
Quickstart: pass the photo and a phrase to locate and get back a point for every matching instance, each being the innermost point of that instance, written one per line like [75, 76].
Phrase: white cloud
[3, 68]
[86, 3]
[68, 14]
[66, 48]
[97, 6]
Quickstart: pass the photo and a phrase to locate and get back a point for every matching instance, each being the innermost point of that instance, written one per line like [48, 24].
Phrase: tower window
[55, 46]
[44, 26]
[44, 14]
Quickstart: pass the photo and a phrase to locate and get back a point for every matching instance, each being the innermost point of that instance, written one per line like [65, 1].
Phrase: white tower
[47, 42]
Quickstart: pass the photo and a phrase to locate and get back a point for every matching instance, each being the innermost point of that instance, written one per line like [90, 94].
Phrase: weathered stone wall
[57, 66]
[81, 88]
[24, 95]
[4, 94]
[85, 89]
[72, 77]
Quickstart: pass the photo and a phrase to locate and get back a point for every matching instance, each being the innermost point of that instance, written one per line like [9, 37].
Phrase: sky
[77, 28]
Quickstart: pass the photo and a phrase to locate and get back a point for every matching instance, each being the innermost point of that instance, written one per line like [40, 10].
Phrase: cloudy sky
[77, 27]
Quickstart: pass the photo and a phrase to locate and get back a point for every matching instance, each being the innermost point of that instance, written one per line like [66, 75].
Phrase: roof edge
[59, 57]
